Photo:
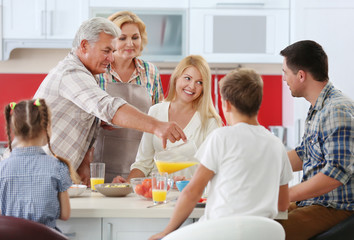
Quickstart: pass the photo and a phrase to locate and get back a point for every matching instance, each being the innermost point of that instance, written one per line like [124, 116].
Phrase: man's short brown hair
[243, 88]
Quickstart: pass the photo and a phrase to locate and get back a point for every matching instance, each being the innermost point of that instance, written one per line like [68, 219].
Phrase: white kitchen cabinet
[81, 228]
[43, 19]
[133, 228]
[1, 7]
[23, 18]
[41, 23]
[239, 31]
[140, 4]
[330, 23]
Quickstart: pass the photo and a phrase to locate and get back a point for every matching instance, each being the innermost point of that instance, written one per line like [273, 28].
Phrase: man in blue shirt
[326, 154]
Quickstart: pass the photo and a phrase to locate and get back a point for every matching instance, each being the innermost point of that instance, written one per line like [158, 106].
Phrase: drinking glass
[159, 187]
[97, 174]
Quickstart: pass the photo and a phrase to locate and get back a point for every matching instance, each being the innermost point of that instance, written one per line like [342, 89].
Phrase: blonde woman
[189, 104]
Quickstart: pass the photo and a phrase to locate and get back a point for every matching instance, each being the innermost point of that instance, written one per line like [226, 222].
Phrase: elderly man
[77, 102]
[326, 154]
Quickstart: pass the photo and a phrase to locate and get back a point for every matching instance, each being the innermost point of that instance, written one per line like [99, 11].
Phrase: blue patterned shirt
[29, 184]
[328, 147]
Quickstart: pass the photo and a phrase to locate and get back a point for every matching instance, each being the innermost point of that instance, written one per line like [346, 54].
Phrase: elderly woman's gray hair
[91, 29]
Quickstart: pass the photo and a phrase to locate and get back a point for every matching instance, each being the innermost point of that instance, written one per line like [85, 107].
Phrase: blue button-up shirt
[29, 184]
[328, 147]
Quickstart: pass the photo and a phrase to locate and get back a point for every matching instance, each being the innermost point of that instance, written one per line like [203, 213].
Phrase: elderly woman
[136, 81]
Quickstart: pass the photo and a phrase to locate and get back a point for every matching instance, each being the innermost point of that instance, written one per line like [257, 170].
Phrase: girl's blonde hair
[28, 119]
[120, 18]
[203, 103]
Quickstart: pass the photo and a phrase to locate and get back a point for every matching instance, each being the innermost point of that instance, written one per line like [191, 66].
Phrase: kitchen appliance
[280, 132]
[242, 31]
[166, 29]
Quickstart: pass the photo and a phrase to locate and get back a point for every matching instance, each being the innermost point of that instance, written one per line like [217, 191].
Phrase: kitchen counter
[96, 205]
[96, 217]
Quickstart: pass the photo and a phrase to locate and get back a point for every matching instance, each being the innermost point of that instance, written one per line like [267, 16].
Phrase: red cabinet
[15, 87]
[270, 113]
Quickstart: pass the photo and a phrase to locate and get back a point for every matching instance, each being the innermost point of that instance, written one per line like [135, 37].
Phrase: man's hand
[106, 126]
[84, 168]
[129, 116]
[169, 131]
[84, 173]
[119, 179]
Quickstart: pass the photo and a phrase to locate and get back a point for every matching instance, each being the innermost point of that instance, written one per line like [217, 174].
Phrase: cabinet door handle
[239, 4]
[43, 25]
[216, 92]
[50, 23]
[110, 231]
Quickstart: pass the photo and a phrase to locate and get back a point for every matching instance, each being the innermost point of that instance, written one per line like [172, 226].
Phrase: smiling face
[97, 56]
[189, 86]
[129, 42]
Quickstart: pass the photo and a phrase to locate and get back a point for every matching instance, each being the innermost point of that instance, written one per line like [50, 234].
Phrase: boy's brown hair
[243, 88]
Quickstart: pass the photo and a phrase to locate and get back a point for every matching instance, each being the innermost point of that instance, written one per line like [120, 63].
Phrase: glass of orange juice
[159, 187]
[97, 170]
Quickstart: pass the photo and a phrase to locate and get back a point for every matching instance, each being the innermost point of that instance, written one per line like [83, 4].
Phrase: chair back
[18, 229]
[231, 228]
[343, 231]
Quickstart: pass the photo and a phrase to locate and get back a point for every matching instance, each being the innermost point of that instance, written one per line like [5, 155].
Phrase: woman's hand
[119, 179]
[178, 178]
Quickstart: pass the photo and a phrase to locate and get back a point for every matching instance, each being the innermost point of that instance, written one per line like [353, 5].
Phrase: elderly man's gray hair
[91, 29]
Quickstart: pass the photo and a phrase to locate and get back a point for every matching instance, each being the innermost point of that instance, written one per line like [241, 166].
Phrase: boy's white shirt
[250, 164]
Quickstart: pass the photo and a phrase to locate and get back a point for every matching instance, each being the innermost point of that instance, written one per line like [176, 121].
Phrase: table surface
[95, 205]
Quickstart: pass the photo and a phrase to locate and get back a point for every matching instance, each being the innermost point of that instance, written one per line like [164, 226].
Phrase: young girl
[189, 104]
[33, 185]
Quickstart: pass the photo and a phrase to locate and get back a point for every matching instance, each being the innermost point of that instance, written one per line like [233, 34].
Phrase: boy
[246, 165]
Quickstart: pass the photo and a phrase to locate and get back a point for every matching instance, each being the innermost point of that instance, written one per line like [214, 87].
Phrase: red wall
[270, 113]
[15, 87]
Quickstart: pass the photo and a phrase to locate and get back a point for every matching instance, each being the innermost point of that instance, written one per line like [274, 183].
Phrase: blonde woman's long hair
[203, 103]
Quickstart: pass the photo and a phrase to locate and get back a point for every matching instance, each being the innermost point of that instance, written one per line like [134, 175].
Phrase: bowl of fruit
[142, 187]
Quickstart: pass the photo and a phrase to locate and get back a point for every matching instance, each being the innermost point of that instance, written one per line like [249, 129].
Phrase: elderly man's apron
[118, 148]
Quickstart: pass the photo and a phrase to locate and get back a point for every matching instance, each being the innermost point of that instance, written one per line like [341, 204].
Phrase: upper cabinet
[23, 19]
[223, 31]
[41, 23]
[330, 23]
[166, 25]
[243, 31]
[141, 4]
